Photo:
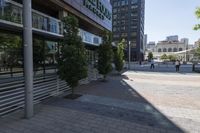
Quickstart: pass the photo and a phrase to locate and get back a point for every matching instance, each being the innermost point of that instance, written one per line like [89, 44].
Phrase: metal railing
[12, 91]
[11, 13]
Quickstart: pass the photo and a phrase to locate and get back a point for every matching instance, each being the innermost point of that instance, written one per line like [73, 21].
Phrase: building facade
[128, 24]
[94, 17]
[197, 44]
[170, 46]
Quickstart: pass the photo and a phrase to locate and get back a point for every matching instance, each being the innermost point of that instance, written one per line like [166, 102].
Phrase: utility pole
[129, 55]
[28, 57]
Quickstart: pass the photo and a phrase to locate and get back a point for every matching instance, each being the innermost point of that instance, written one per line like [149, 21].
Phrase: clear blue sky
[171, 17]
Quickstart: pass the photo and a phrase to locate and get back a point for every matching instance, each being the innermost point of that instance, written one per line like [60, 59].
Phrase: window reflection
[11, 61]
[12, 12]
[44, 56]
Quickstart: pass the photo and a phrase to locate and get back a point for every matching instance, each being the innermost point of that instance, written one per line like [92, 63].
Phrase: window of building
[175, 50]
[134, 7]
[115, 4]
[169, 49]
[159, 50]
[133, 27]
[11, 60]
[114, 23]
[124, 34]
[133, 34]
[114, 10]
[164, 50]
[123, 28]
[123, 22]
[180, 49]
[119, 3]
[134, 14]
[133, 44]
[115, 16]
[114, 29]
[116, 35]
[123, 2]
[134, 1]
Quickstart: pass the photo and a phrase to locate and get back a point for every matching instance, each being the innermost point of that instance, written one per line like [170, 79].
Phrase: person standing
[152, 64]
[177, 65]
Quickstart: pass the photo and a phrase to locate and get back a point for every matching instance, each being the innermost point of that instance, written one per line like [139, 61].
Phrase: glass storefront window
[11, 61]
[44, 56]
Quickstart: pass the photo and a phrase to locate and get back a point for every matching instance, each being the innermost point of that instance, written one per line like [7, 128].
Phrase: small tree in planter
[172, 58]
[105, 54]
[164, 57]
[119, 56]
[150, 56]
[72, 64]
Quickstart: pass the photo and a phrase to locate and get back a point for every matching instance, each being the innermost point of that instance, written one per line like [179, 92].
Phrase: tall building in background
[173, 38]
[145, 42]
[128, 24]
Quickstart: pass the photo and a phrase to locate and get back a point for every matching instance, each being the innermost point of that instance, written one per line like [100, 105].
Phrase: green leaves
[119, 56]
[72, 65]
[164, 57]
[197, 27]
[150, 55]
[105, 54]
[168, 57]
[197, 12]
[197, 52]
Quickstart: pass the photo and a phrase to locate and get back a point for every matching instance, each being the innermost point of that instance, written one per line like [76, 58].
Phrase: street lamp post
[129, 55]
[28, 57]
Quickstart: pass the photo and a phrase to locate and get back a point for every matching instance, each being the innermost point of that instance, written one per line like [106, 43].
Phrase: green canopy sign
[98, 8]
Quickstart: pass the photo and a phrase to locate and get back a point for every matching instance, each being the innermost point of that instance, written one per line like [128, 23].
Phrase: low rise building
[172, 46]
[197, 43]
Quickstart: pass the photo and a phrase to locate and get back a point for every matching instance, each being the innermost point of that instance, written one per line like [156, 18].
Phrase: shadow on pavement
[118, 100]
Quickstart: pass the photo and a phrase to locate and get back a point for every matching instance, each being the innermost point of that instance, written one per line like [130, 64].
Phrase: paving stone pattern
[138, 102]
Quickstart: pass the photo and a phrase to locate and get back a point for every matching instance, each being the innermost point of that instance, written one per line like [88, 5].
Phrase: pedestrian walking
[152, 64]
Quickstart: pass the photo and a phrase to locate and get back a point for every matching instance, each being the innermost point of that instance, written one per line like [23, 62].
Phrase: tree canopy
[197, 12]
[150, 55]
[72, 63]
[119, 56]
[105, 54]
[164, 57]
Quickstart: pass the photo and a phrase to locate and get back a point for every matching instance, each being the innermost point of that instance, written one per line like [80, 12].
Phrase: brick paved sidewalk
[63, 116]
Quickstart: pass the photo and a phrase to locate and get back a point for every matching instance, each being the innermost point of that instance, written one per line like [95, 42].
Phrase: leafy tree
[119, 56]
[164, 57]
[105, 54]
[72, 64]
[150, 55]
[172, 57]
[197, 52]
[197, 26]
